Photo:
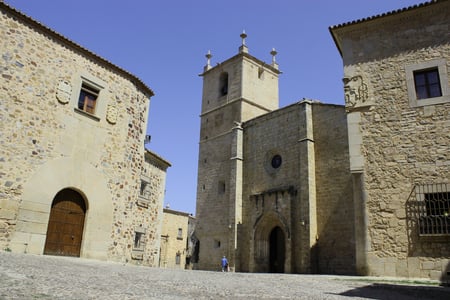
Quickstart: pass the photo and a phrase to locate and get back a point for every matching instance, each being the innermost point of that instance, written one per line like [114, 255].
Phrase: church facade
[259, 169]
[361, 188]
[75, 177]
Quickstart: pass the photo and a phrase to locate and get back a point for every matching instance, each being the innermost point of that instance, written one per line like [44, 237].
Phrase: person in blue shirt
[224, 264]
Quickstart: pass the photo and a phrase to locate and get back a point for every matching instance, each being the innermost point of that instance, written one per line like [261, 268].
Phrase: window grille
[432, 208]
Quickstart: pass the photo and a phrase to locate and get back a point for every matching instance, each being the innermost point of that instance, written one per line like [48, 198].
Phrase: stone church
[75, 178]
[361, 188]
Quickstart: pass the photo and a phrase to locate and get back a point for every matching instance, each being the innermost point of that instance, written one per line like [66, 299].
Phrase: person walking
[224, 264]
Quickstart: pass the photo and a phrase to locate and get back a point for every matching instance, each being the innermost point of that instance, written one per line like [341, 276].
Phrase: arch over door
[66, 223]
[277, 250]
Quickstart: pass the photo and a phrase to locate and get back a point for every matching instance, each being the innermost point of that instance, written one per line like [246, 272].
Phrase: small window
[438, 204]
[180, 234]
[178, 258]
[223, 84]
[221, 187]
[276, 161]
[145, 189]
[261, 73]
[88, 98]
[216, 244]
[138, 241]
[427, 84]
[434, 209]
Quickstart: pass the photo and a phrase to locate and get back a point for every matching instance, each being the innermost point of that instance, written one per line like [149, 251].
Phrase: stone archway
[271, 249]
[66, 224]
[277, 250]
[37, 198]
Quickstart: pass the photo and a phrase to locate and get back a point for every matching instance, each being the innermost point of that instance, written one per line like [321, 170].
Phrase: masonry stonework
[399, 143]
[50, 144]
[317, 188]
[274, 188]
[175, 239]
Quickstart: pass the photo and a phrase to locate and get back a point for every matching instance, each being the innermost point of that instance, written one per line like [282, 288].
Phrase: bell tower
[234, 91]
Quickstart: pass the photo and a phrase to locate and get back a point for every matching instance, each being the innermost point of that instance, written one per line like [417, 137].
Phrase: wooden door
[65, 226]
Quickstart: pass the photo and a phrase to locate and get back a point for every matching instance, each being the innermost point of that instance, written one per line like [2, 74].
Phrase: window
[260, 73]
[434, 209]
[216, 244]
[137, 252]
[180, 234]
[144, 190]
[276, 161]
[427, 83]
[88, 98]
[223, 84]
[178, 258]
[137, 240]
[221, 187]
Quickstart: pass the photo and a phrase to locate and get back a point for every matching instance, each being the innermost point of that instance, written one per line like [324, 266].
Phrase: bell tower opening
[277, 251]
[223, 84]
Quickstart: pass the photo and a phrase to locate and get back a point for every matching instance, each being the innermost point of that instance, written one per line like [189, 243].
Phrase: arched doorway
[277, 250]
[66, 223]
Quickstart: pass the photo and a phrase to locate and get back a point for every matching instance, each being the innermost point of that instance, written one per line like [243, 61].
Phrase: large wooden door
[65, 226]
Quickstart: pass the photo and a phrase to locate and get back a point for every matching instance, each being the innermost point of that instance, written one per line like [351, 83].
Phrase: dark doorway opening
[66, 223]
[277, 250]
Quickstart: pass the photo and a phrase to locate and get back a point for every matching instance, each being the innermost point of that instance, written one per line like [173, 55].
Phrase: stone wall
[399, 142]
[174, 237]
[335, 232]
[49, 144]
[308, 196]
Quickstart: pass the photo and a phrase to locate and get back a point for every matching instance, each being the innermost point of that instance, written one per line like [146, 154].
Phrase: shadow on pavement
[383, 291]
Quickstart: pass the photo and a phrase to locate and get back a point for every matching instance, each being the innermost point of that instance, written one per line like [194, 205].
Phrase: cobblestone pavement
[26, 276]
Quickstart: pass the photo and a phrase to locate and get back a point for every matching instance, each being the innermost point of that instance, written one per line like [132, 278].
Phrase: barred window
[433, 207]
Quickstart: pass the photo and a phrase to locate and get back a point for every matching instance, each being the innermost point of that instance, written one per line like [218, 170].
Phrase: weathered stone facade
[274, 187]
[322, 188]
[399, 141]
[175, 239]
[53, 140]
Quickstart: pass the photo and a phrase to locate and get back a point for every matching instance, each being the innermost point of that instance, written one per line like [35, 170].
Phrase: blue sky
[164, 44]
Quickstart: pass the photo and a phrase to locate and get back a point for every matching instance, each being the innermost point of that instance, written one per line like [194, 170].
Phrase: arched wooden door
[66, 223]
[277, 250]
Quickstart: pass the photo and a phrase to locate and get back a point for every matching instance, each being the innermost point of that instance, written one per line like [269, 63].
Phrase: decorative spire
[243, 48]
[243, 36]
[274, 62]
[208, 60]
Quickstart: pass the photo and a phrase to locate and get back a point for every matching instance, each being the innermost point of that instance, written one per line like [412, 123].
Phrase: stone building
[274, 186]
[75, 178]
[175, 239]
[357, 189]
[397, 97]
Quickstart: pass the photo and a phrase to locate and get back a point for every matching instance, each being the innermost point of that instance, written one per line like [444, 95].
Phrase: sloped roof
[394, 12]
[76, 47]
[376, 17]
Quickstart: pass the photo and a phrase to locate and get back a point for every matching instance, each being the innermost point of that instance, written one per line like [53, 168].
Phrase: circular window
[276, 161]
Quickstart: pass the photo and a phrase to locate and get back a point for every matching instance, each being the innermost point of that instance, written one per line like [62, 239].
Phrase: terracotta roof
[386, 14]
[62, 39]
